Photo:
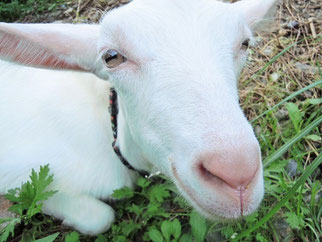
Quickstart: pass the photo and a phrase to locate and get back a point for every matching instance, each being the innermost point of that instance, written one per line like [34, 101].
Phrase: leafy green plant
[145, 205]
[295, 115]
[198, 226]
[72, 237]
[152, 213]
[28, 203]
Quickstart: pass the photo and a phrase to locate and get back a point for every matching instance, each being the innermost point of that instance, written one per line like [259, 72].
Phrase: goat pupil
[111, 57]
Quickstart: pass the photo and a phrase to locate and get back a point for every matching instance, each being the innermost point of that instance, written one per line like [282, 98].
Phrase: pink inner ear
[21, 51]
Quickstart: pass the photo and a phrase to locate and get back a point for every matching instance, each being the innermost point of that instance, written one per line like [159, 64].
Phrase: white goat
[174, 65]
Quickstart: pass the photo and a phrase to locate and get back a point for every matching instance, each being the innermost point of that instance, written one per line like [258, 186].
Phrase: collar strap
[113, 109]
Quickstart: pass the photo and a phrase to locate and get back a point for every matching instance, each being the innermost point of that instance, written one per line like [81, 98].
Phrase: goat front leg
[82, 212]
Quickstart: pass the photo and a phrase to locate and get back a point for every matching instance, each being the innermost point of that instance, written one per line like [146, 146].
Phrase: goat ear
[257, 11]
[56, 46]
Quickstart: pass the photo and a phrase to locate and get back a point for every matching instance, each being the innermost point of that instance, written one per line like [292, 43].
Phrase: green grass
[14, 10]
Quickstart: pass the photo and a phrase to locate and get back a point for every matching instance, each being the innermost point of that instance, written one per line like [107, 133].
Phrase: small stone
[281, 114]
[4, 213]
[258, 130]
[317, 198]
[215, 236]
[308, 94]
[291, 168]
[258, 39]
[303, 57]
[274, 77]
[306, 68]
[282, 32]
[282, 227]
[293, 24]
[268, 51]
[4, 204]
[70, 10]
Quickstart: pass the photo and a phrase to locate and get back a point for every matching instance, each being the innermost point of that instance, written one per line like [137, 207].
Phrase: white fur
[178, 99]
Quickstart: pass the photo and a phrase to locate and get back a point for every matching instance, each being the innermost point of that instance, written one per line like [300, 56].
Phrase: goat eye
[113, 59]
[245, 44]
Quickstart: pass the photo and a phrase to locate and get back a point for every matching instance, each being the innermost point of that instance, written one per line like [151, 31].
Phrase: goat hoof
[84, 213]
[95, 221]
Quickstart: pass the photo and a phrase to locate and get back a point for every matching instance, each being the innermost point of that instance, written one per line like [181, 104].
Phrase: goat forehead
[160, 24]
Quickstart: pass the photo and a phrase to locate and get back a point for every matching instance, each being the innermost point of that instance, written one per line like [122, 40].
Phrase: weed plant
[13, 10]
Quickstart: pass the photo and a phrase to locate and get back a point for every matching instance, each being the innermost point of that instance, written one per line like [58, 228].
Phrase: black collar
[113, 112]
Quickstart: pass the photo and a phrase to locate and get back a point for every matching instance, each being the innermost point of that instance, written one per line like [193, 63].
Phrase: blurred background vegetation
[16, 10]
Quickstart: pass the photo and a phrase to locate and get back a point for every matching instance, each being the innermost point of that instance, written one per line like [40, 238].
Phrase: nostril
[207, 175]
[237, 175]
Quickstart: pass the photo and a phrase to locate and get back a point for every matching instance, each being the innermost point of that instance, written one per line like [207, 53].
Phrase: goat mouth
[209, 211]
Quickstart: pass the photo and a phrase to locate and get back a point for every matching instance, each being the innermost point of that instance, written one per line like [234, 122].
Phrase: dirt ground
[4, 213]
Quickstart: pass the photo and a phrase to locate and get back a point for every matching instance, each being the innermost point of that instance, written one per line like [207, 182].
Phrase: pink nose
[236, 169]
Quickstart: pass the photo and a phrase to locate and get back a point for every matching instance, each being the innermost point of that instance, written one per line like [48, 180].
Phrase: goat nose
[237, 171]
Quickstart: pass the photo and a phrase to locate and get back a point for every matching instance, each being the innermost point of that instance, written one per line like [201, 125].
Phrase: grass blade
[275, 58]
[260, 71]
[294, 94]
[309, 170]
[278, 153]
[49, 238]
